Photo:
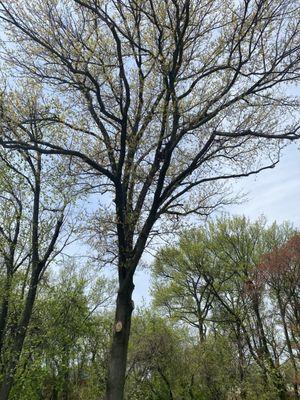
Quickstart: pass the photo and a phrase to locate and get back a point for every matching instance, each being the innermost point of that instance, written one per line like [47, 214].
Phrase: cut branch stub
[118, 326]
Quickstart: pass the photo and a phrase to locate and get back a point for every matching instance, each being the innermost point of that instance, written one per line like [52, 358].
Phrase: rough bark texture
[119, 346]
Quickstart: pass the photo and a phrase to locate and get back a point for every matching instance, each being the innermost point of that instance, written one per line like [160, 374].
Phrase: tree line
[224, 321]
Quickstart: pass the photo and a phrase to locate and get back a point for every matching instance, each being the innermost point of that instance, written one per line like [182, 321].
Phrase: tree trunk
[4, 309]
[288, 343]
[118, 352]
[241, 361]
[280, 386]
[19, 338]
[274, 372]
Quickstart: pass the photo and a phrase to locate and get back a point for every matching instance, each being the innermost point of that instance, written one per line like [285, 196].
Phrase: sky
[274, 193]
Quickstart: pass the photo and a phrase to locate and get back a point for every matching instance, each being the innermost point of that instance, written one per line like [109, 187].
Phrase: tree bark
[118, 352]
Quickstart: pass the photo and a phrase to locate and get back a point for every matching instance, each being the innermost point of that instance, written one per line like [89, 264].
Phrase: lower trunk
[66, 373]
[4, 309]
[18, 340]
[276, 378]
[241, 362]
[119, 347]
[65, 394]
[54, 395]
[289, 345]
[280, 386]
[276, 375]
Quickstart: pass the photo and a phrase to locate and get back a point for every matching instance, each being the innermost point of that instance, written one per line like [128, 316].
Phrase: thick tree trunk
[119, 347]
[19, 338]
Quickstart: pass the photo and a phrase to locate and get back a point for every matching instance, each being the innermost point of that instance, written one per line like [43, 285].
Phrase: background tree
[161, 101]
[65, 351]
[14, 252]
[280, 270]
[33, 204]
[179, 285]
[239, 245]
[226, 256]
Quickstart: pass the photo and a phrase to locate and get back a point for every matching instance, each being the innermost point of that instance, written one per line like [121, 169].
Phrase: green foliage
[65, 349]
[194, 343]
[212, 281]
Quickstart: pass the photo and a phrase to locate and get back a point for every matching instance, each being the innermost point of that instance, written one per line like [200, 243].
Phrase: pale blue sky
[274, 193]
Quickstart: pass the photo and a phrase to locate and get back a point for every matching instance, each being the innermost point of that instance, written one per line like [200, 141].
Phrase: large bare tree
[161, 101]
